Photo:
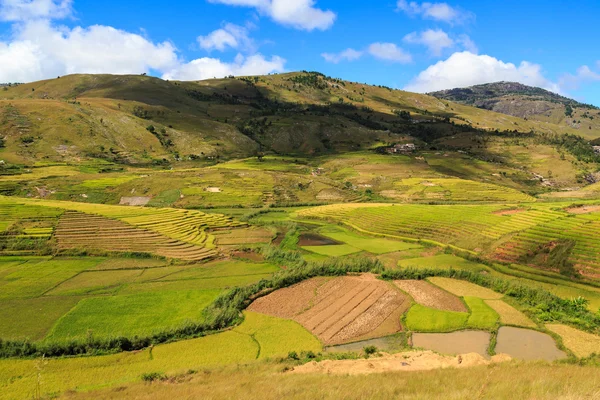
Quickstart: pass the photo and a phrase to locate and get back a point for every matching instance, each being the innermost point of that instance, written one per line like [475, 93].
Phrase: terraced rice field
[492, 230]
[227, 238]
[84, 231]
[453, 189]
[339, 310]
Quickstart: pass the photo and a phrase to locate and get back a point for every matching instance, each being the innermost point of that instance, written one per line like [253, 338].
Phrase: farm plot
[465, 289]
[85, 231]
[453, 189]
[242, 345]
[582, 344]
[243, 236]
[510, 315]
[460, 225]
[425, 319]
[428, 295]
[482, 316]
[369, 244]
[339, 310]
[442, 261]
[139, 314]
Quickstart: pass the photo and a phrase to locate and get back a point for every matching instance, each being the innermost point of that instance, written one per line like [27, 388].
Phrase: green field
[140, 314]
[42, 298]
[482, 316]
[141, 217]
[258, 336]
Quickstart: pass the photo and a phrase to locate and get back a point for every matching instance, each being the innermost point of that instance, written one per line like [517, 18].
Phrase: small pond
[526, 344]
[462, 342]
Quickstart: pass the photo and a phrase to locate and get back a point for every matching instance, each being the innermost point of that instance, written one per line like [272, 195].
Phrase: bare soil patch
[428, 295]
[339, 310]
[584, 209]
[134, 201]
[409, 361]
[509, 212]
[312, 239]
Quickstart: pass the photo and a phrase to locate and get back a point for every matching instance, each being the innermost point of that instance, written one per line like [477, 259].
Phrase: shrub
[370, 350]
[154, 376]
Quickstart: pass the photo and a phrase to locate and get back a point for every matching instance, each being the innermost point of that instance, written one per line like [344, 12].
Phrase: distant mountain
[516, 99]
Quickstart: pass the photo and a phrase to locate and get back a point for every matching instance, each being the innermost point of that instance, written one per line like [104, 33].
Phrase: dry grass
[582, 344]
[260, 381]
[463, 288]
[510, 315]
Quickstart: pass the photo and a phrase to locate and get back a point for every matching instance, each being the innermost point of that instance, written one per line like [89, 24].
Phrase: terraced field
[339, 310]
[84, 231]
[500, 232]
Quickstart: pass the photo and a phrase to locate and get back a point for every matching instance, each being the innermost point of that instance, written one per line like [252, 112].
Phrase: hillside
[528, 102]
[84, 117]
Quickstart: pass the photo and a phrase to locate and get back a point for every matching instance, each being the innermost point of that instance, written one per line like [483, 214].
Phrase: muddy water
[389, 344]
[525, 344]
[312, 239]
[463, 342]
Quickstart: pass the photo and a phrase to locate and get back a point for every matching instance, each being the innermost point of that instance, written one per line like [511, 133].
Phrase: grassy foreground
[265, 381]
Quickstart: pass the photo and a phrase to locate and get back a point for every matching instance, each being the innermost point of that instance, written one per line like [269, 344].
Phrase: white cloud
[435, 40]
[389, 52]
[468, 44]
[207, 68]
[230, 35]
[23, 10]
[299, 14]
[40, 50]
[436, 11]
[346, 55]
[468, 69]
[584, 74]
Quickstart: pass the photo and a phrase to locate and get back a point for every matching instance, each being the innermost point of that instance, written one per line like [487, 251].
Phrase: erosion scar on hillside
[339, 310]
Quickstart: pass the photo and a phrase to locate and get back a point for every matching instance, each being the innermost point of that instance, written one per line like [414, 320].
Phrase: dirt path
[409, 361]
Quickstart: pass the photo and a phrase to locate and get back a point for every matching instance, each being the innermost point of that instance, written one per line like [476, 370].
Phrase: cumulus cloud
[23, 10]
[389, 52]
[40, 50]
[206, 68]
[435, 11]
[231, 35]
[467, 69]
[583, 75]
[435, 40]
[346, 55]
[299, 14]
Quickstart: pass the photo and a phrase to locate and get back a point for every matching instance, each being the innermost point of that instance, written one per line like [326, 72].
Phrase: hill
[528, 102]
[84, 117]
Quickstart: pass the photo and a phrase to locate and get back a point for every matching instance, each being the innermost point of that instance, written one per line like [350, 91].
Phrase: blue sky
[413, 45]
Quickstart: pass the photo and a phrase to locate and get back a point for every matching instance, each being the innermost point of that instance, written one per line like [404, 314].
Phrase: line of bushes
[224, 312]
[540, 303]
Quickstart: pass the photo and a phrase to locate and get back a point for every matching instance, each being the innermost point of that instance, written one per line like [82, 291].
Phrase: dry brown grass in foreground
[261, 381]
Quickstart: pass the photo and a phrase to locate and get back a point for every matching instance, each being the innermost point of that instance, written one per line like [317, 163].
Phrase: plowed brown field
[339, 310]
[428, 295]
